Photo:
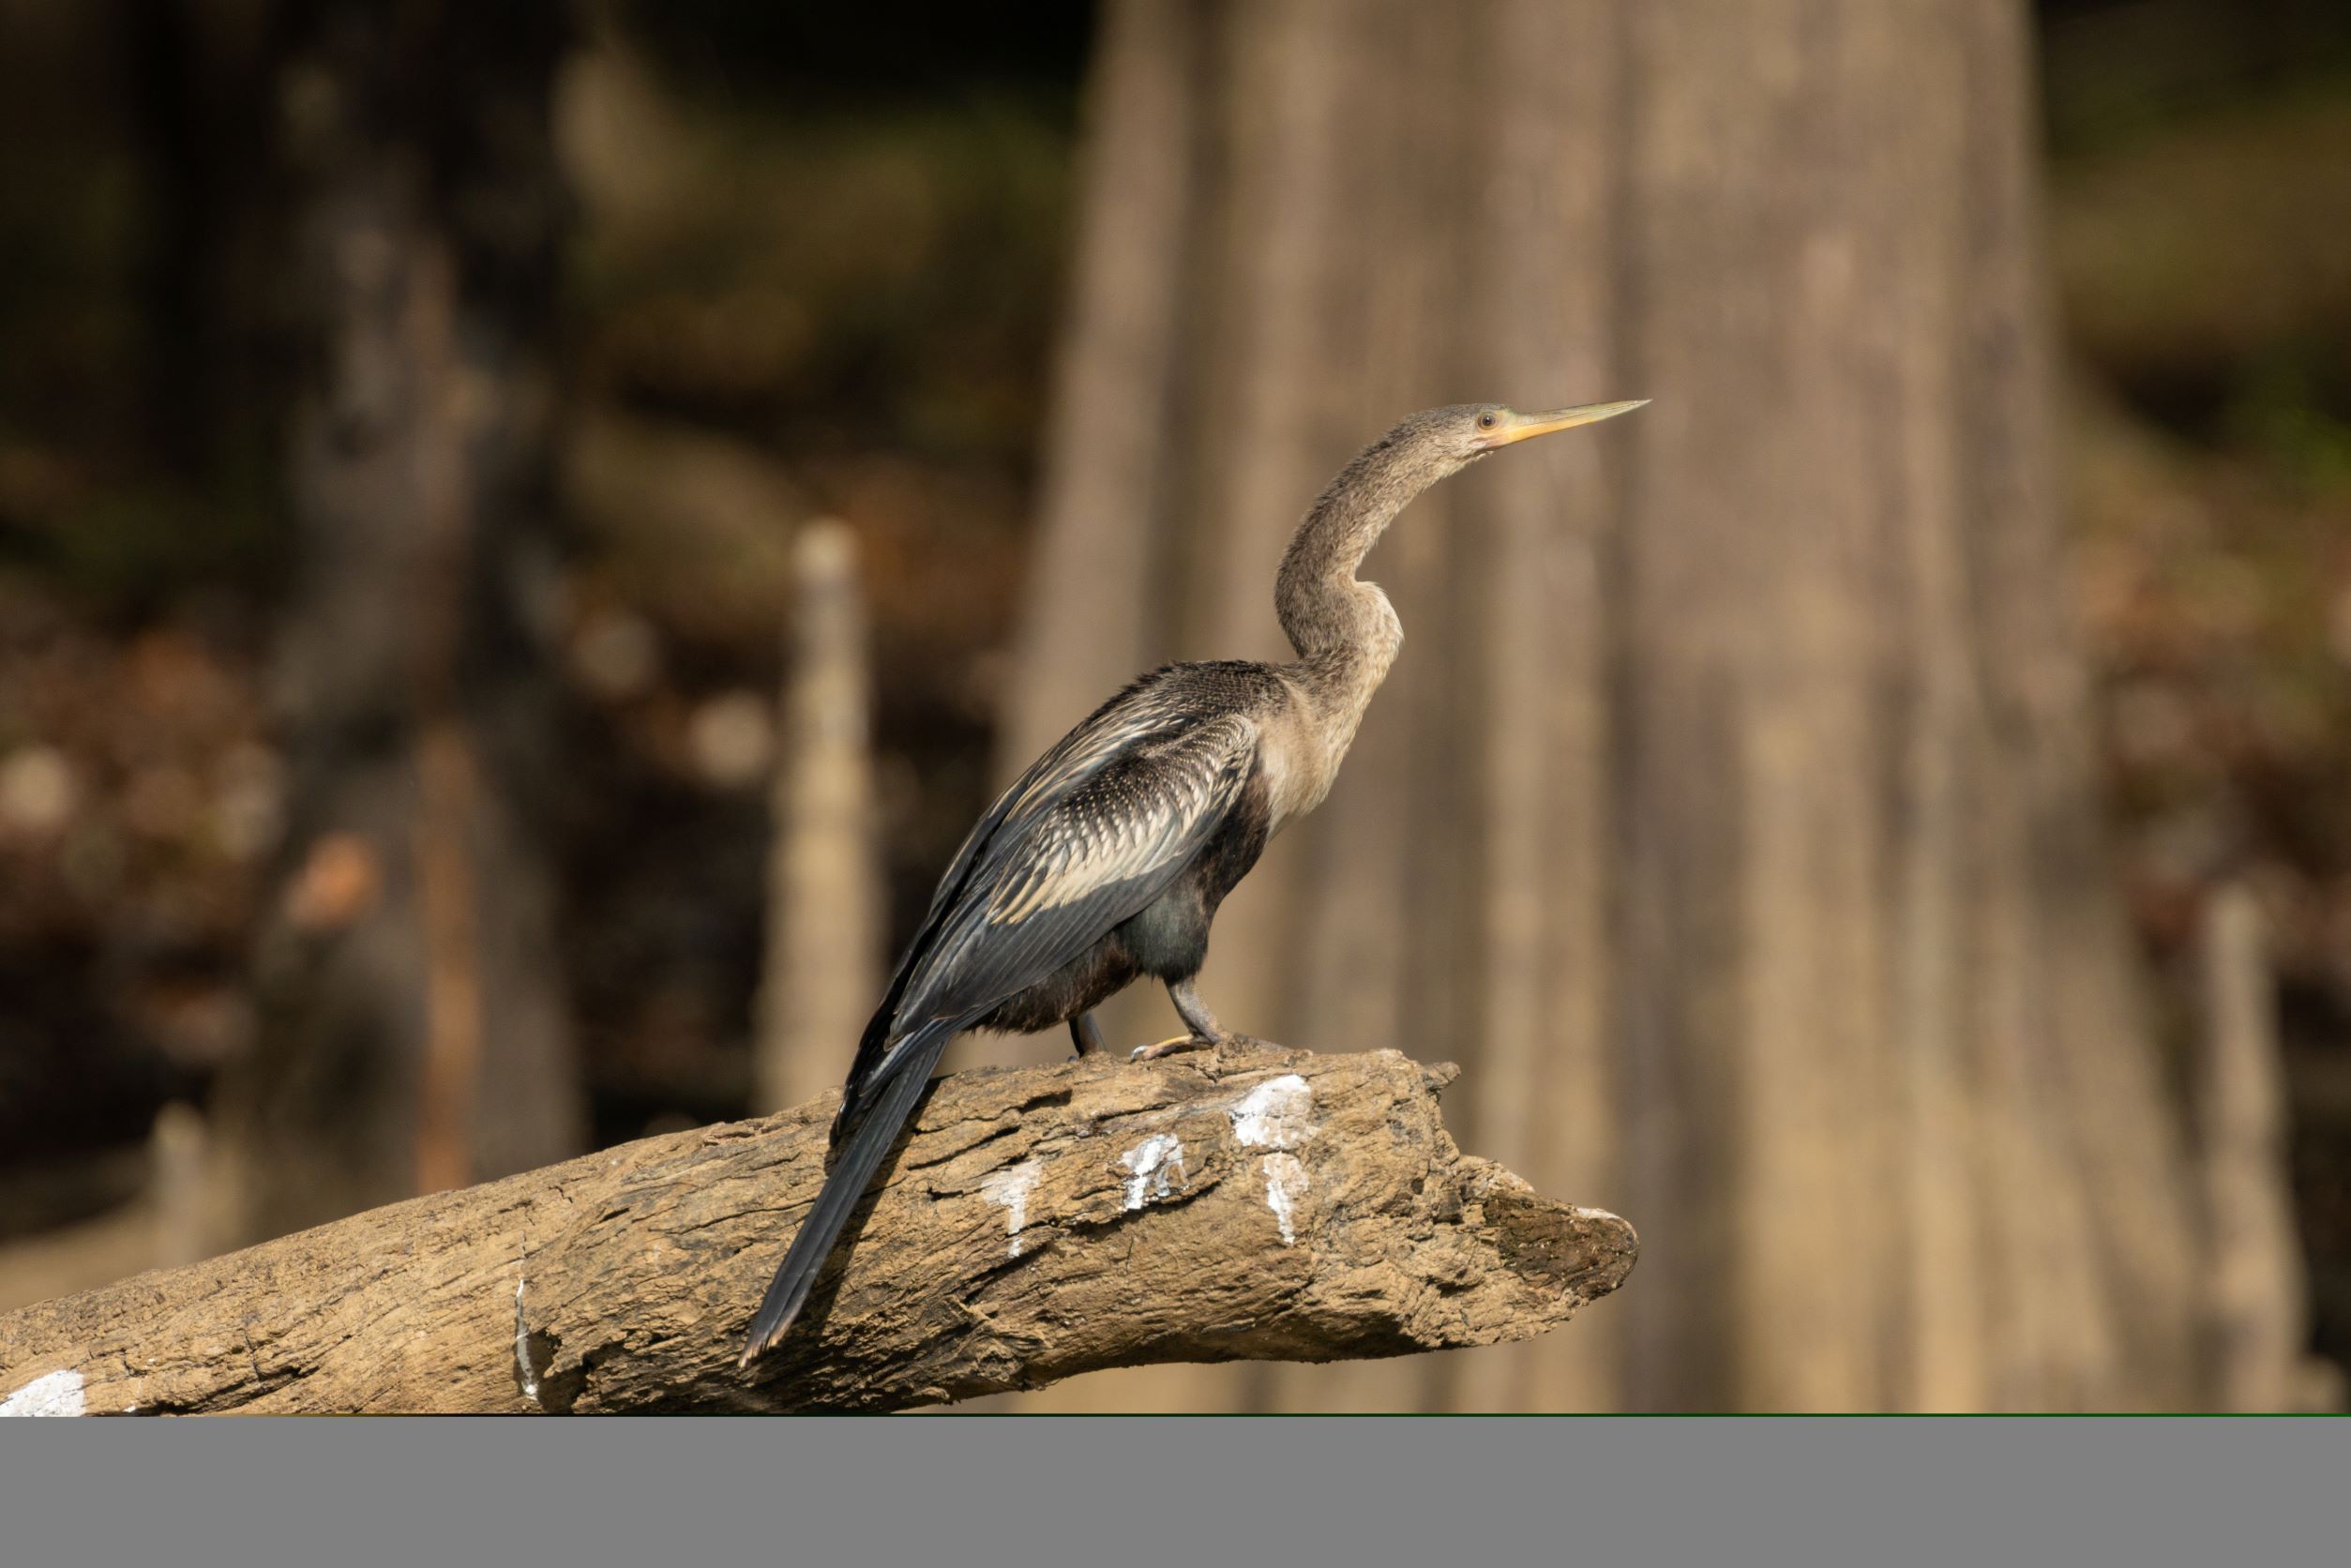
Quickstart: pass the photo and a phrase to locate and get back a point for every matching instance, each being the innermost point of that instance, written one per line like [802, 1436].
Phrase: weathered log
[1037, 1223]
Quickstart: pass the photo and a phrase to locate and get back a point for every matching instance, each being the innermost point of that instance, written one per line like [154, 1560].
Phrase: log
[1036, 1223]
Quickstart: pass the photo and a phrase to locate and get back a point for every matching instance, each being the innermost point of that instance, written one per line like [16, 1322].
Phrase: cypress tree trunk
[1728, 816]
[412, 1036]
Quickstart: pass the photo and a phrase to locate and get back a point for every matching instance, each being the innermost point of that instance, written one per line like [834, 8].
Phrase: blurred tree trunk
[2255, 1305]
[824, 882]
[412, 1036]
[1728, 814]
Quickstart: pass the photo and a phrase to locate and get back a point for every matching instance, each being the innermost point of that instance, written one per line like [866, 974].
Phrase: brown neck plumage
[1346, 632]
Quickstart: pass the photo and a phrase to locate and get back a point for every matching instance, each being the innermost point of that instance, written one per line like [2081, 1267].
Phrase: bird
[1106, 860]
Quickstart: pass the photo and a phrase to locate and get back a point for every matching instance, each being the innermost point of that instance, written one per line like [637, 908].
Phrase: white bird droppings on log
[1277, 1114]
[1009, 1190]
[51, 1393]
[1284, 1182]
[1154, 1165]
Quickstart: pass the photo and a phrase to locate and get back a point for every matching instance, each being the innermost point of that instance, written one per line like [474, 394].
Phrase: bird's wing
[1075, 759]
[1090, 834]
[1089, 837]
[1132, 714]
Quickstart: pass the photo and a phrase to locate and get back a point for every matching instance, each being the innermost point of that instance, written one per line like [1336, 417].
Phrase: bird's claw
[1175, 1047]
[1183, 1043]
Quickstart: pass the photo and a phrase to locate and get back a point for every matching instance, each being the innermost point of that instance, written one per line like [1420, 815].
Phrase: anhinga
[1106, 861]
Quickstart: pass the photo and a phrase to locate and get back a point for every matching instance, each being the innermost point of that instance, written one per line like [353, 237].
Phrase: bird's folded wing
[1138, 716]
[1073, 858]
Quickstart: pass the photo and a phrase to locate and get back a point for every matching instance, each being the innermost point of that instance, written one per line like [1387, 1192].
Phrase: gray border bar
[977, 1490]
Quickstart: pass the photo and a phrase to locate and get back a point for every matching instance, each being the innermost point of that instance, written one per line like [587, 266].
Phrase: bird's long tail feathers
[859, 1157]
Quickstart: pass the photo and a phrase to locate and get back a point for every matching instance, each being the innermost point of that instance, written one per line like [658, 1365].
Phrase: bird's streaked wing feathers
[1089, 837]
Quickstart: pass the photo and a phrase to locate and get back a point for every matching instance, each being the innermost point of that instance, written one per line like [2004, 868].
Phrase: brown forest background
[1881, 819]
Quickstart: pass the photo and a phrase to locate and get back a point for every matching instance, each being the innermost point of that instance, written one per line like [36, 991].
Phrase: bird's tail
[860, 1157]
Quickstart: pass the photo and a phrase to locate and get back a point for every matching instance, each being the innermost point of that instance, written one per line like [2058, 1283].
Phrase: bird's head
[1423, 447]
[1473, 430]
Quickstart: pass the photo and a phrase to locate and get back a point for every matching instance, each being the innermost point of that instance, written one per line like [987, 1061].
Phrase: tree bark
[1036, 1223]
[412, 1034]
[1730, 810]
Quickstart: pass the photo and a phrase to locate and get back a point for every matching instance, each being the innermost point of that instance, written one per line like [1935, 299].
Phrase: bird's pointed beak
[1520, 426]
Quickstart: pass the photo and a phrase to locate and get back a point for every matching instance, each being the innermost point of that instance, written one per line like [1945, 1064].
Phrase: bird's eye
[1485, 420]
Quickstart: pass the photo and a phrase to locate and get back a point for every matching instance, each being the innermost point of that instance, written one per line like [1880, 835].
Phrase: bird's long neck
[1346, 632]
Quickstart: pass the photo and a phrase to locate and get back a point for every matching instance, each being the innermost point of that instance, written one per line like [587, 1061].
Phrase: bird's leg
[1207, 1033]
[1086, 1035]
[1195, 1013]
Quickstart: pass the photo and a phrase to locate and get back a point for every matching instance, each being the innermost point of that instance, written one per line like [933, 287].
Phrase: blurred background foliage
[815, 267]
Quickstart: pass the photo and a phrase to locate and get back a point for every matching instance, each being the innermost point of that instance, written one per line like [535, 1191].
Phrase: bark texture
[1037, 1223]
[1728, 811]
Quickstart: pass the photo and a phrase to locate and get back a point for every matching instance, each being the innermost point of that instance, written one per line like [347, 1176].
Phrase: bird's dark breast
[1167, 939]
